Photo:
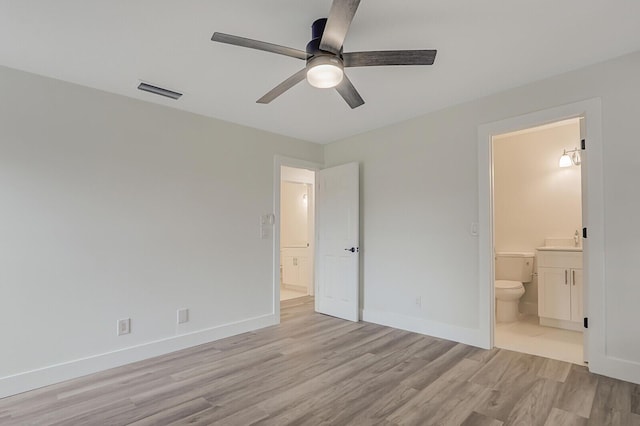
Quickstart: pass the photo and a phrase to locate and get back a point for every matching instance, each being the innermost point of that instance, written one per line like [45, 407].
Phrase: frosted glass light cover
[325, 76]
[325, 71]
[565, 161]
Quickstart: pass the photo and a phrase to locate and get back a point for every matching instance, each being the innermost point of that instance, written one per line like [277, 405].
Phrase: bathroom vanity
[560, 287]
[295, 268]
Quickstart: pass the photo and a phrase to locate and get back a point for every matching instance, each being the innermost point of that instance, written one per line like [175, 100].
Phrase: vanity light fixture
[570, 160]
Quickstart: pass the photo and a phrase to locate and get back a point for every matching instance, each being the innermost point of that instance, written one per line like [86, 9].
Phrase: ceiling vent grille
[159, 91]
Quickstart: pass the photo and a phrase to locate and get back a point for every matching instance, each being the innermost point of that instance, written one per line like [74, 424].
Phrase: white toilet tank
[514, 266]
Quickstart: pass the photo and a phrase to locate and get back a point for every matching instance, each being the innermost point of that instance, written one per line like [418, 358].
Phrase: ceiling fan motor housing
[313, 47]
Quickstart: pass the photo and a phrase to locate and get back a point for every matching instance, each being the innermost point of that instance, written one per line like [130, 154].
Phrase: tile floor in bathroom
[527, 336]
[286, 294]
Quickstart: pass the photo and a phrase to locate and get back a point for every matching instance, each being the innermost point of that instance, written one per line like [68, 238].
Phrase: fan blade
[338, 22]
[349, 93]
[283, 87]
[260, 45]
[389, 57]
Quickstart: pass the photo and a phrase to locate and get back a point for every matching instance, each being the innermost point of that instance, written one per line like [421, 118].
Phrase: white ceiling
[483, 47]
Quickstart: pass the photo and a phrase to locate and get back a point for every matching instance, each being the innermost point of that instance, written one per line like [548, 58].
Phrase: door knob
[352, 249]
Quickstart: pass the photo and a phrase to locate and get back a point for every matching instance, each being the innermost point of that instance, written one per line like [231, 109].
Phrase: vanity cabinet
[295, 267]
[560, 288]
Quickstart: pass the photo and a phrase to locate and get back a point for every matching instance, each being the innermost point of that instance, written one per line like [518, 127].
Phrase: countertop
[559, 248]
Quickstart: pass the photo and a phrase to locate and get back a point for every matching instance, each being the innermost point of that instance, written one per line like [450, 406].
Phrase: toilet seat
[506, 284]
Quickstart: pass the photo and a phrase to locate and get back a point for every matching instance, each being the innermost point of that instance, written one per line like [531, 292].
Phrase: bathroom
[537, 234]
[296, 233]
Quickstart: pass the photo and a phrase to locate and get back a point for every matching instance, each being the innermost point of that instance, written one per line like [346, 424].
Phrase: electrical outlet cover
[183, 316]
[124, 326]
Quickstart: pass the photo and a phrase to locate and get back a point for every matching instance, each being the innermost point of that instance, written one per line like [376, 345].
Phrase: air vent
[159, 91]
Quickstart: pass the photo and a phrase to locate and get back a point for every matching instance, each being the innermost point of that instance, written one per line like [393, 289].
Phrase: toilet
[512, 270]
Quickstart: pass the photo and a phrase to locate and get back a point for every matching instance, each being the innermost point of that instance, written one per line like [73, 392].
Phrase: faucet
[576, 238]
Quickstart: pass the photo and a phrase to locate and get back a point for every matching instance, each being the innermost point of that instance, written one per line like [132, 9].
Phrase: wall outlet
[418, 301]
[124, 326]
[183, 316]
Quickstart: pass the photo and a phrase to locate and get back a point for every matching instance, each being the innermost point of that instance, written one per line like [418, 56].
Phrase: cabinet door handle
[565, 277]
[573, 277]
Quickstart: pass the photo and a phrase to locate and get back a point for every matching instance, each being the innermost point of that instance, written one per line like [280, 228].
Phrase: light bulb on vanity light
[565, 160]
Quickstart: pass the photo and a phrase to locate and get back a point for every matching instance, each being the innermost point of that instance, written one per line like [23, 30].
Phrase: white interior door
[338, 249]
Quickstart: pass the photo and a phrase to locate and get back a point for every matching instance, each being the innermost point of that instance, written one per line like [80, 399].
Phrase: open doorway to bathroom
[297, 220]
[537, 240]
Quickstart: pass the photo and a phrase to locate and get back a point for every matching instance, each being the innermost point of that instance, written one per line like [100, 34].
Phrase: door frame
[278, 162]
[592, 218]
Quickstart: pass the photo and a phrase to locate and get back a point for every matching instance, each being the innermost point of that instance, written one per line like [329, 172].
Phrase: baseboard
[29, 380]
[567, 325]
[617, 368]
[294, 287]
[468, 336]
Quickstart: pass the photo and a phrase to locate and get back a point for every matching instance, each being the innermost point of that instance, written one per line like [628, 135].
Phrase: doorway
[332, 197]
[297, 230]
[594, 335]
[537, 240]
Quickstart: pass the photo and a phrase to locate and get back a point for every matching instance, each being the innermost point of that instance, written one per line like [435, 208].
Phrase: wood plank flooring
[318, 370]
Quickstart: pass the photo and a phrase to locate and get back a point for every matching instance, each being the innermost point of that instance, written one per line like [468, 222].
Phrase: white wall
[115, 208]
[419, 195]
[535, 199]
[294, 174]
[294, 215]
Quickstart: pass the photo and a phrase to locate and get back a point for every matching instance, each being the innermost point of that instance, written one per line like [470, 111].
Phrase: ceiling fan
[324, 56]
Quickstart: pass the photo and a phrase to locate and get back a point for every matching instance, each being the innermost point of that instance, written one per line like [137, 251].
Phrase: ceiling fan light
[324, 72]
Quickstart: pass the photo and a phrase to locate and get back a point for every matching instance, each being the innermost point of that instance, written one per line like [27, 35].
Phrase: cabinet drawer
[559, 259]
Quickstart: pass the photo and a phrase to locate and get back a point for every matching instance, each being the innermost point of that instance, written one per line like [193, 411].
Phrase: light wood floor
[317, 370]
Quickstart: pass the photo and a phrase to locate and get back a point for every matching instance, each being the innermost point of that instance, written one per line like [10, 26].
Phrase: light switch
[266, 224]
